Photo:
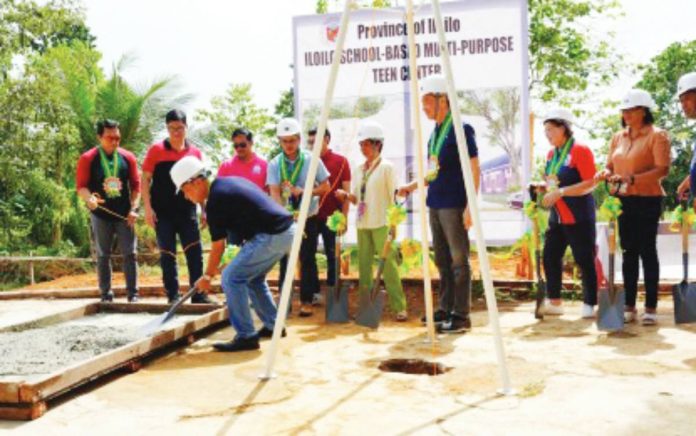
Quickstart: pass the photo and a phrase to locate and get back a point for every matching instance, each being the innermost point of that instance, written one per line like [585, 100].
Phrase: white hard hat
[186, 169]
[636, 98]
[370, 130]
[435, 84]
[559, 113]
[686, 83]
[288, 127]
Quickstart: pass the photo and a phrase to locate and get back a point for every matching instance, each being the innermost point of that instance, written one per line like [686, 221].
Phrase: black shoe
[108, 297]
[439, 316]
[201, 298]
[265, 333]
[133, 298]
[238, 344]
[173, 299]
[455, 324]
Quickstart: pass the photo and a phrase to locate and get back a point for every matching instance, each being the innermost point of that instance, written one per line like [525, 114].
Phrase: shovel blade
[684, 295]
[151, 327]
[337, 305]
[370, 310]
[540, 295]
[611, 317]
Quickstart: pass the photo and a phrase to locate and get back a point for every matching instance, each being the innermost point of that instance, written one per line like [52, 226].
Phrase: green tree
[285, 108]
[659, 78]
[234, 109]
[501, 110]
[565, 55]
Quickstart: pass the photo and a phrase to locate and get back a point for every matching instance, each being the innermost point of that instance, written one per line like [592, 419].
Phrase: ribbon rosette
[396, 214]
[610, 208]
[681, 216]
[336, 222]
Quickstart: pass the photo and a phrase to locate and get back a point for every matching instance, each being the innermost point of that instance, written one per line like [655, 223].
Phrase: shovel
[535, 193]
[611, 301]
[372, 304]
[157, 323]
[337, 298]
[684, 293]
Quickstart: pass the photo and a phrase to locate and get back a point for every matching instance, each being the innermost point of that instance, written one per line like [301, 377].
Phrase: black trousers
[638, 224]
[328, 237]
[309, 275]
[581, 238]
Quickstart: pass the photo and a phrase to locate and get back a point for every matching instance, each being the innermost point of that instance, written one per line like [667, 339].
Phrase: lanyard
[366, 176]
[105, 164]
[436, 143]
[292, 178]
[559, 157]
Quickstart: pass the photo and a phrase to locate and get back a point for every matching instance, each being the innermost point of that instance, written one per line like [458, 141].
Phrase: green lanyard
[366, 177]
[558, 158]
[292, 178]
[105, 164]
[435, 145]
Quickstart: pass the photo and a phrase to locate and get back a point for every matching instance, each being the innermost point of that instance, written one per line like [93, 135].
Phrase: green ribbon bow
[679, 216]
[610, 208]
[336, 222]
[396, 214]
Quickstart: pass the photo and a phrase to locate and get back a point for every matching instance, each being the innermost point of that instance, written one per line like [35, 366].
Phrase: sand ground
[570, 379]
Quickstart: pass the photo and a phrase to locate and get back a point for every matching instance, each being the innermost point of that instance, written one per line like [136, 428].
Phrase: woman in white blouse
[374, 186]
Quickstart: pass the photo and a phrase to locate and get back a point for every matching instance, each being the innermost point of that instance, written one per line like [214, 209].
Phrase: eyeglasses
[176, 129]
[240, 145]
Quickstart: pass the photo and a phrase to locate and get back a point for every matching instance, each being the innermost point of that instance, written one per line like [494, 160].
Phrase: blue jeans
[187, 228]
[245, 278]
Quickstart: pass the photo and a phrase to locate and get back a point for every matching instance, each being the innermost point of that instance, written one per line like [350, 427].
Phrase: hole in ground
[413, 366]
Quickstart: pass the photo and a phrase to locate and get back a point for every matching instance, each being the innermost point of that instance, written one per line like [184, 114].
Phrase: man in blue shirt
[286, 178]
[447, 201]
[686, 90]
[265, 230]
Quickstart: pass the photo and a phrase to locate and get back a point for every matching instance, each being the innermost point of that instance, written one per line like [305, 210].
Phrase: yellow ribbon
[680, 216]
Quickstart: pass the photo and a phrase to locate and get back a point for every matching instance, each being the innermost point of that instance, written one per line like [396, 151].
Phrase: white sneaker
[648, 318]
[587, 311]
[629, 316]
[553, 309]
[317, 300]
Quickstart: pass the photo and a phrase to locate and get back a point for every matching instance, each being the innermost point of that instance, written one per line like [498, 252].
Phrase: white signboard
[487, 44]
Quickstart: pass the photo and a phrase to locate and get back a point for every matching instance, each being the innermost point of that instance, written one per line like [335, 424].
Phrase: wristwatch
[561, 191]
[207, 277]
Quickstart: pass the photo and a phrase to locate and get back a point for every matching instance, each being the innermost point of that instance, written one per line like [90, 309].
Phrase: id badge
[286, 191]
[112, 187]
[362, 207]
[552, 183]
[433, 168]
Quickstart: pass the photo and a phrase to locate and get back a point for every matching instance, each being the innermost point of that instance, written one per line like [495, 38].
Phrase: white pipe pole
[472, 201]
[306, 199]
[415, 111]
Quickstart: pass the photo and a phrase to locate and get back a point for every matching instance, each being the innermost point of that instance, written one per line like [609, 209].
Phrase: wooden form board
[23, 399]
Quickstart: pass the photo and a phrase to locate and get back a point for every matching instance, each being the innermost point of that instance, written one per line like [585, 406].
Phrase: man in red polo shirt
[339, 178]
[168, 211]
[245, 163]
[108, 182]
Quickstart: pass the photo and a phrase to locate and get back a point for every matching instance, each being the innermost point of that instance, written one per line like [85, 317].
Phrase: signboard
[487, 41]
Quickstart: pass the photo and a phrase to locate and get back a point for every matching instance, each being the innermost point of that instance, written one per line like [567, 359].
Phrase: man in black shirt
[264, 228]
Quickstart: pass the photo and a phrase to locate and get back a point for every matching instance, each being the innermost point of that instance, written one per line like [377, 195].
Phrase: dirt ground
[570, 379]
[502, 268]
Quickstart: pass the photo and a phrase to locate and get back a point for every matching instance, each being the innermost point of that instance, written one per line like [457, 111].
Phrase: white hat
[288, 127]
[435, 84]
[186, 169]
[636, 98]
[686, 83]
[559, 113]
[370, 130]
